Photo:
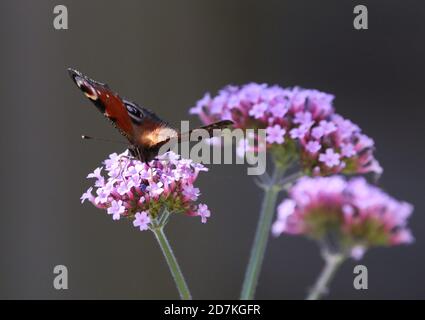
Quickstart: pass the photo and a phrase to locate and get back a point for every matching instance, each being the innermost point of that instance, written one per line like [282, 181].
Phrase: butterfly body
[144, 130]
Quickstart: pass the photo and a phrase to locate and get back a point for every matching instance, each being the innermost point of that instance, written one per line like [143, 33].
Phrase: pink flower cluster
[361, 215]
[126, 187]
[327, 143]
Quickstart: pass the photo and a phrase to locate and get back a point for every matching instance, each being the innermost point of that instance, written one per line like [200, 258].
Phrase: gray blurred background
[165, 55]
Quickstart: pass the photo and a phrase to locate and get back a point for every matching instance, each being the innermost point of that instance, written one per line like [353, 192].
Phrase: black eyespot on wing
[138, 114]
[134, 111]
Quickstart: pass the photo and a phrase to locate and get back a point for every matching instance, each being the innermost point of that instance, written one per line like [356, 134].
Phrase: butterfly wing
[185, 136]
[140, 126]
[145, 131]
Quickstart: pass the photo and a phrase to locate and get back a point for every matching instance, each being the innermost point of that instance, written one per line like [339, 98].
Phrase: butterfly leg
[136, 153]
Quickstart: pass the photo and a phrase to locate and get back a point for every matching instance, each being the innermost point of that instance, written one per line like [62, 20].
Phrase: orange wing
[140, 126]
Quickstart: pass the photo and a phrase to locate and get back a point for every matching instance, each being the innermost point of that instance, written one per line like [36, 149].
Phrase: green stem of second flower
[332, 263]
[172, 263]
[262, 234]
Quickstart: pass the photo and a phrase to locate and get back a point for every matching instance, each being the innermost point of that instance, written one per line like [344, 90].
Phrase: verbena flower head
[350, 215]
[298, 121]
[126, 187]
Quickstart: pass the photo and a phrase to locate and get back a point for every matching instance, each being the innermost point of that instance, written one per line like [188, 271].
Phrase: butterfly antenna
[85, 137]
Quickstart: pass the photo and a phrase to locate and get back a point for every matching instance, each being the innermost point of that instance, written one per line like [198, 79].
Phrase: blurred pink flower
[294, 116]
[354, 212]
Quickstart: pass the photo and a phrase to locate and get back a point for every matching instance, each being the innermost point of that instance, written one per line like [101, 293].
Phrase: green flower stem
[172, 263]
[271, 191]
[332, 263]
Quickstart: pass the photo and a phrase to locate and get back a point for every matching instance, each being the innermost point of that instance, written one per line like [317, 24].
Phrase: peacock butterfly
[144, 130]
